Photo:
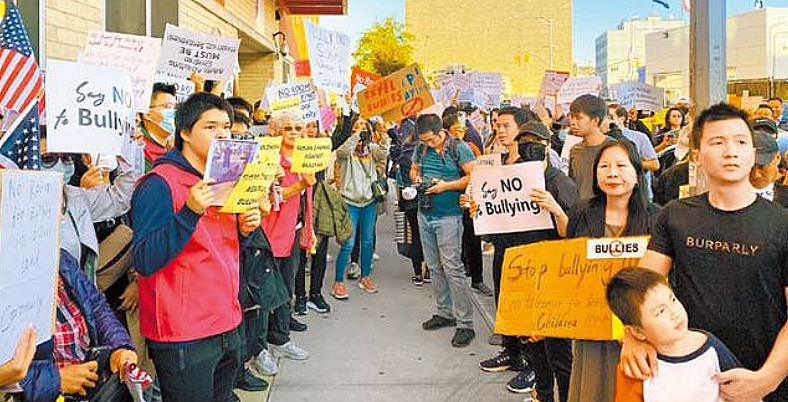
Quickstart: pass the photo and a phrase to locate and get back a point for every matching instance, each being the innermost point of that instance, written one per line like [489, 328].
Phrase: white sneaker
[353, 271]
[265, 363]
[375, 257]
[328, 258]
[289, 350]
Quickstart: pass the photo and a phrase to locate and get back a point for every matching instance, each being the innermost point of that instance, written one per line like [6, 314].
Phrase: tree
[384, 48]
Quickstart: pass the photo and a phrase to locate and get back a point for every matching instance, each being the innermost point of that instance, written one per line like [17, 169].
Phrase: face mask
[530, 152]
[168, 120]
[66, 168]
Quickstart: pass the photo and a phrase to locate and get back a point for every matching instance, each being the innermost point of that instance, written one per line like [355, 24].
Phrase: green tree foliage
[384, 48]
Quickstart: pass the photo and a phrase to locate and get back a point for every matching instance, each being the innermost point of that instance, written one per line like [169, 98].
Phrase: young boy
[687, 360]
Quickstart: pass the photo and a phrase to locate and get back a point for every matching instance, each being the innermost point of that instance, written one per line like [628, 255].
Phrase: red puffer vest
[195, 295]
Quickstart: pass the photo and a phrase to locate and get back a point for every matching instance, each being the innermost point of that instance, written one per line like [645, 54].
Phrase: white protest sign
[183, 87]
[30, 216]
[489, 83]
[552, 82]
[502, 195]
[297, 96]
[329, 57]
[184, 52]
[569, 142]
[616, 247]
[137, 55]
[90, 108]
[575, 87]
[640, 96]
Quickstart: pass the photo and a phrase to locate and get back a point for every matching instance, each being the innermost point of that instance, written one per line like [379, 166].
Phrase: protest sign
[30, 215]
[502, 194]
[299, 97]
[90, 108]
[640, 96]
[569, 142]
[183, 86]
[184, 52]
[490, 84]
[311, 155]
[227, 160]
[552, 82]
[399, 95]
[488, 160]
[137, 55]
[557, 288]
[327, 117]
[362, 78]
[256, 178]
[575, 87]
[329, 57]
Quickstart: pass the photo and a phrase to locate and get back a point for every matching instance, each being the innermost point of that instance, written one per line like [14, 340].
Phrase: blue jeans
[363, 219]
[441, 241]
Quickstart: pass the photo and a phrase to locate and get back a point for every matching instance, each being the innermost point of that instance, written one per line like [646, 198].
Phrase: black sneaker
[417, 280]
[426, 276]
[495, 340]
[318, 304]
[297, 326]
[482, 289]
[462, 337]
[523, 383]
[438, 322]
[248, 382]
[504, 361]
[300, 306]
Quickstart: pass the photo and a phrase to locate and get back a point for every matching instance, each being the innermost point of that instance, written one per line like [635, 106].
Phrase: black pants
[417, 256]
[254, 332]
[279, 320]
[471, 250]
[202, 371]
[317, 273]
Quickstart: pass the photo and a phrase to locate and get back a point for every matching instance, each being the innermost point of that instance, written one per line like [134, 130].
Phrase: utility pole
[708, 62]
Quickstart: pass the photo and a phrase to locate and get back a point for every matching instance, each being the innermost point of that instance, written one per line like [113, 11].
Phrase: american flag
[20, 148]
[20, 78]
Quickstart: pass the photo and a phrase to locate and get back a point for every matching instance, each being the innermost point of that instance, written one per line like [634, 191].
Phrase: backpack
[451, 146]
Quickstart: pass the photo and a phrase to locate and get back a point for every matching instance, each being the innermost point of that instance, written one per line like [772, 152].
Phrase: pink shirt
[280, 226]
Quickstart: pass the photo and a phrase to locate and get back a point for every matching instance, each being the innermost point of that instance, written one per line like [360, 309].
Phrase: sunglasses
[48, 160]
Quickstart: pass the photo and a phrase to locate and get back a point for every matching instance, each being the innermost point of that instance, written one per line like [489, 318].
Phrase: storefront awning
[314, 7]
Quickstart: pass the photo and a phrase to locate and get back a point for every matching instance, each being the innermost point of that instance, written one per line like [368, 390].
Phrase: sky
[589, 17]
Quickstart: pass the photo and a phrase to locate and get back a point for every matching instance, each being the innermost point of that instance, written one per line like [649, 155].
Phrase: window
[140, 17]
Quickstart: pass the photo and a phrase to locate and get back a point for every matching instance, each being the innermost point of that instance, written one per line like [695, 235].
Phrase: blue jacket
[42, 383]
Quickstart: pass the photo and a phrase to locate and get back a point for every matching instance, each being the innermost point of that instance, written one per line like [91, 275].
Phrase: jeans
[202, 371]
[440, 241]
[317, 273]
[363, 219]
[471, 250]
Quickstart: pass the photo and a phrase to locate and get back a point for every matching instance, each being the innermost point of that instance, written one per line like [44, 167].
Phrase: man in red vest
[187, 254]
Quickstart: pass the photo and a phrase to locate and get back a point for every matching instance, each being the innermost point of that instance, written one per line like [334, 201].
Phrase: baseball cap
[765, 147]
[763, 123]
[535, 128]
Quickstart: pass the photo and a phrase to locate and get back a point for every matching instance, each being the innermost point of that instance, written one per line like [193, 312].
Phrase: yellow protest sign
[285, 105]
[311, 155]
[557, 288]
[256, 178]
[401, 94]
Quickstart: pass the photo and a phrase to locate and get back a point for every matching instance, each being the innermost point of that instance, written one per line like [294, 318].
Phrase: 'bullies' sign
[617, 247]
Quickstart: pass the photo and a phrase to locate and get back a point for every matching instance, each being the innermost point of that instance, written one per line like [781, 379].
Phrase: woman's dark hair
[638, 216]
[667, 118]
[190, 111]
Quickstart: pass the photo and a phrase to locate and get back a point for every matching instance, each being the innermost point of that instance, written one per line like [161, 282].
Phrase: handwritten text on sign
[554, 289]
[30, 216]
[640, 96]
[311, 155]
[575, 87]
[401, 94]
[295, 97]
[90, 108]
[329, 57]
[502, 195]
[184, 52]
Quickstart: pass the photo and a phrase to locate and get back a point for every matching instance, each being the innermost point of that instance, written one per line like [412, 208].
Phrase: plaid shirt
[72, 339]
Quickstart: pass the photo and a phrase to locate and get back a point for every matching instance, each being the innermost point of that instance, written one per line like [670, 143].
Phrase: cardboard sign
[137, 55]
[329, 57]
[183, 87]
[184, 51]
[640, 96]
[90, 108]
[552, 82]
[361, 77]
[256, 178]
[30, 215]
[311, 155]
[502, 194]
[399, 95]
[295, 97]
[227, 160]
[575, 87]
[554, 289]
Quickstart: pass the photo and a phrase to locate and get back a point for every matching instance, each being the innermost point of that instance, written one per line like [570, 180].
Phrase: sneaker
[375, 257]
[523, 383]
[328, 258]
[462, 337]
[495, 340]
[417, 280]
[482, 289]
[504, 361]
[248, 382]
[367, 285]
[300, 306]
[353, 271]
[339, 291]
[289, 350]
[426, 275]
[438, 322]
[265, 363]
[297, 326]
[318, 304]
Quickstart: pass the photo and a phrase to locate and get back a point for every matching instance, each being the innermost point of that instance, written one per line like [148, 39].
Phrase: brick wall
[488, 37]
[256, 71]
[68, 23]
[197, 18]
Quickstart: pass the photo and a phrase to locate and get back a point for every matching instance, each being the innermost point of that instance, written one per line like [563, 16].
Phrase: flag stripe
[23, 85]
[7, 68]
[31, 95]
[11, 80]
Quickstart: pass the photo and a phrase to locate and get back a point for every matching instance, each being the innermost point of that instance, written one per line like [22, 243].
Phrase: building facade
[620, 53]
[757, 48]
[521, 39]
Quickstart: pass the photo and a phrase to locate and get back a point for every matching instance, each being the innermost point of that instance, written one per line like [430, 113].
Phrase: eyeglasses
[168, 105]
[291, 128]
[48, 160]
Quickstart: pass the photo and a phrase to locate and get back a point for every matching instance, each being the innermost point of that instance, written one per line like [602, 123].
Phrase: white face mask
[66, 168]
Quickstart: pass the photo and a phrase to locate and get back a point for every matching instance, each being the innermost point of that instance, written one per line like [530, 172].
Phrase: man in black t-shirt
[727, 253]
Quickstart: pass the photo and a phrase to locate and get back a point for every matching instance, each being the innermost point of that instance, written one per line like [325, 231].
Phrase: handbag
[379, 187]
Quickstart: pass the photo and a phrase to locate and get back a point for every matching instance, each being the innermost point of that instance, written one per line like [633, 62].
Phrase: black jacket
[260, 283]
[587, 219]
